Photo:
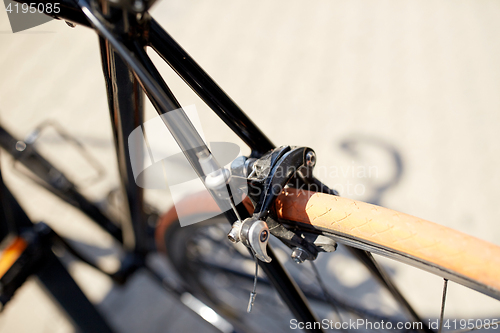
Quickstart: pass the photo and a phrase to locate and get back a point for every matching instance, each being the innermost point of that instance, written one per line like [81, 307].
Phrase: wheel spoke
[325, 292]
[443, 302]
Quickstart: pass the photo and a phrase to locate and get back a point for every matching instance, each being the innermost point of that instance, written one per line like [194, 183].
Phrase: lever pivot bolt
[310, 159]
[263, 235]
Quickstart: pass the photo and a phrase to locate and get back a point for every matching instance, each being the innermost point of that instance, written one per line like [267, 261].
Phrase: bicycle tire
[443, 251]
[451, 254]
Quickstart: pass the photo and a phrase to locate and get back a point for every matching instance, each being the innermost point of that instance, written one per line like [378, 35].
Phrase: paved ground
[415, 81]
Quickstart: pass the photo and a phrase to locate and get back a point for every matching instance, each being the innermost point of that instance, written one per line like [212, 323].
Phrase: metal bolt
[310, 159]
[263, 235]
[20, 145]
[234, 233]
[138, 5]
[232, 236]
[299, 255]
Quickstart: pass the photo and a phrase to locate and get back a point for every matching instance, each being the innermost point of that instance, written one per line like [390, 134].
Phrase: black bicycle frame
[129, 73]
[125, 102]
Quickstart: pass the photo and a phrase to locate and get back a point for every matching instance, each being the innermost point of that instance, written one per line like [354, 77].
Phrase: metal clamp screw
[234, 233]
[299, 255]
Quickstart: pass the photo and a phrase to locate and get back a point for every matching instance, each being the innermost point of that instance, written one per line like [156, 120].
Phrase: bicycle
[285, 216]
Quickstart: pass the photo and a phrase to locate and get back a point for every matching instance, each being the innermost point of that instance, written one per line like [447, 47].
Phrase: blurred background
[408, 91]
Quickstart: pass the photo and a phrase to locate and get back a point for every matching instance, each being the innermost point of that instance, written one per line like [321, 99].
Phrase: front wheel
[221, 273]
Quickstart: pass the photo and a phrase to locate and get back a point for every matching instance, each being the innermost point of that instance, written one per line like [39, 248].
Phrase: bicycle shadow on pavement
[345, 277]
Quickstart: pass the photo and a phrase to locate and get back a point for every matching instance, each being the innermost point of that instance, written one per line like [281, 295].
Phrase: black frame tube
[126, 106]
[144, 72]
[206, 88]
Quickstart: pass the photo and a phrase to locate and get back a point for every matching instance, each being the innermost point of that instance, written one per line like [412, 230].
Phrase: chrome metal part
[253, 294]
[234, 233]
[299, 255]
[258, 236]
[310, 159]
[321, 242]
[325, 243]
[254, 234]
[251, 301]
[20, 145]
[138, 6]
